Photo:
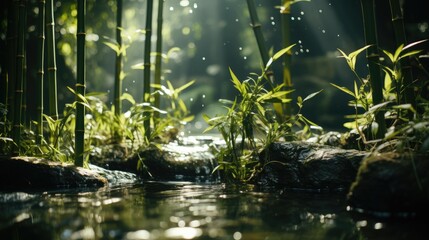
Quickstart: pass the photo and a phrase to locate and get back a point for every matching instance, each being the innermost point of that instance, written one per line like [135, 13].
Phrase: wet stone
[310, 166]
[178, 162]
[18, 173]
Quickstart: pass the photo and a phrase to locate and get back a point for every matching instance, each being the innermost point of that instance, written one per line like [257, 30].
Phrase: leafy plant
[398, 113]
[251, 124]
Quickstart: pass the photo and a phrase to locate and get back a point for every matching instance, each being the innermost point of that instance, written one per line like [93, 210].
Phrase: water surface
[155, 210]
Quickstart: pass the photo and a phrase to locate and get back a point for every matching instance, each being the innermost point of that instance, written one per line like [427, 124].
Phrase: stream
[185, 210]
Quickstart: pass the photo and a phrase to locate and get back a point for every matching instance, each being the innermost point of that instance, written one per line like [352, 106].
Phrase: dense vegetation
[56, 104]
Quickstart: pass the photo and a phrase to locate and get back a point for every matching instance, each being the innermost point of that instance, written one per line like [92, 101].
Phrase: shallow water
[156, 210]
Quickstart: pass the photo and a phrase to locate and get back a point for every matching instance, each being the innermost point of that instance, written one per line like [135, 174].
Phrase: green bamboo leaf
[128, 97]
[378, 106]
[356, 89]
[344, 89]
[236, 82]
[389, 55]
[299, 101]
[405, 107]
[188, 119]
[179, 89]
[114, 46]
[311, 95]
[280, 53]
[138, 66]
[397, 53]
[416, 52]
[414, 43]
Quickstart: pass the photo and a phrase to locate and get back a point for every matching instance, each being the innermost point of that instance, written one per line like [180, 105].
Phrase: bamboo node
[52, 69]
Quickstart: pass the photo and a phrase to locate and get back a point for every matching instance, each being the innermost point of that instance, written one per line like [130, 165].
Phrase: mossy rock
[392, 184]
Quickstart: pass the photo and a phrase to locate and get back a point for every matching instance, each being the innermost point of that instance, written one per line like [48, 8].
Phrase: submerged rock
[392, 184]
[309, 166]
[35, 173]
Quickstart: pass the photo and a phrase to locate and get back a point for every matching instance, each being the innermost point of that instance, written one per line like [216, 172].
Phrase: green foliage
[401, 116]
[251, 124]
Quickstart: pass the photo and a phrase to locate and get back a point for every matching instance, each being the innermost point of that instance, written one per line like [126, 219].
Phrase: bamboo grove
[48, 123]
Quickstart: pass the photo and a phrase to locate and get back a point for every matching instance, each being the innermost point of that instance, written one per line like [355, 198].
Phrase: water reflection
[187, 211]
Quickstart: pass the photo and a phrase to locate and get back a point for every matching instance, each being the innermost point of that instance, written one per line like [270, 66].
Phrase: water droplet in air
[191, 99]
[203, 58]
[302, 13]
[195, 5]
[236, 19]
[323, 31]
[240, 48]
[184, 3]
[292, 18]
[171, 8]
[320, 10]
[204, 96]
[298, 18]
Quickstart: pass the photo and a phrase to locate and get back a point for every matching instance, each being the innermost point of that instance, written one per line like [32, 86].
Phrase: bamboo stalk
[40, 72]
[51, 60]
[158, 58]
[20, 58]
[80, 84]
[372, 55]
[287, 79]
[146, 74]
[12, 40]
[400, 36]
[257, 29]
[118, 64]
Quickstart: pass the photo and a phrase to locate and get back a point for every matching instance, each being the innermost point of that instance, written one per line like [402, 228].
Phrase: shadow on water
[182, 210]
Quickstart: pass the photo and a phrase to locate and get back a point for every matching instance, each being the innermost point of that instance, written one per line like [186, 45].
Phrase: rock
[115, 177]
[392, 184]
[23, 173]
[309, 166]
[176, 162]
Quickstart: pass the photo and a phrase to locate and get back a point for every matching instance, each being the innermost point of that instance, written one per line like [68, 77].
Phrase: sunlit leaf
[128, 97]
[344, 89]
[236, 82]
[183, 87]
[311, 95]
